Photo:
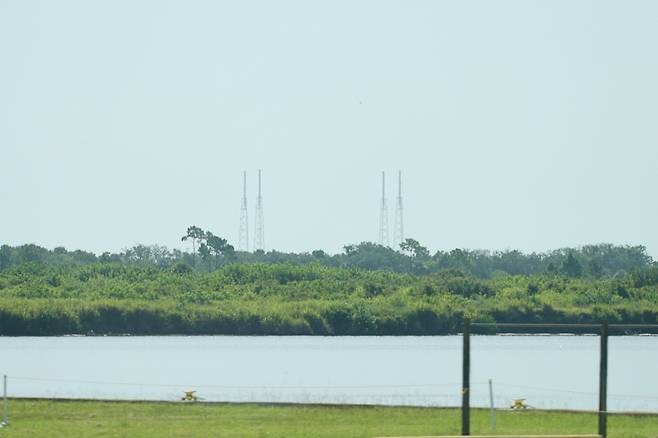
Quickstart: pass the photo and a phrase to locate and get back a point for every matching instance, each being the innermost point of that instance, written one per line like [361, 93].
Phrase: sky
[516, 124]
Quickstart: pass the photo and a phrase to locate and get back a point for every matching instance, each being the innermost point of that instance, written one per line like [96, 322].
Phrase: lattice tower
[399, 219]
[243, 241]
[259, 238]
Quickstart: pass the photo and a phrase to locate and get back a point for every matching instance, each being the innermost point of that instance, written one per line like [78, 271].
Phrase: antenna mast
[399, 224]
[383, 216]
[243, 242]
[259, 238]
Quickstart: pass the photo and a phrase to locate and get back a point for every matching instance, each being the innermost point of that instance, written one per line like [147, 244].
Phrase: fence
[603, 330]
[379, 371]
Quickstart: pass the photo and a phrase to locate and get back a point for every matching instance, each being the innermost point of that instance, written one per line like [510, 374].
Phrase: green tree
[5, 257]
[594, 269]
[218, 248]
[571, 267]
[195, 234]
[413, 247]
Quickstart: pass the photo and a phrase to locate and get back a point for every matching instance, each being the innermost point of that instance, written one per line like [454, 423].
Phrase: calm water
[549, 371]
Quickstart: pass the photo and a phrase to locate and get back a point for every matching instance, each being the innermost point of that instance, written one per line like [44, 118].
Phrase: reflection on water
[549, 371]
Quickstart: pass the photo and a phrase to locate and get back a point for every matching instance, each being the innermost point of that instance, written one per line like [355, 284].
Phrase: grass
[30, 418]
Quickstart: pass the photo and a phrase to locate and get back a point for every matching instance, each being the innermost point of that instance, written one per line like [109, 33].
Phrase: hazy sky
[516, 124]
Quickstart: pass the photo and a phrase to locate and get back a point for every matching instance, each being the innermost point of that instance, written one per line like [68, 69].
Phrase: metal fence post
[466, 377]
[491, 404]
[603, 382]
[5, 407]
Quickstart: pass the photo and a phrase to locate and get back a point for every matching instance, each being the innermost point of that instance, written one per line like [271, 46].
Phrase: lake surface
[549, 371]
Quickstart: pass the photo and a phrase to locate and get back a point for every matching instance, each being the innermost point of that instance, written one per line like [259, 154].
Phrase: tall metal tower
[243, 241]
[259, 238]
[399, 224]
[383, 215]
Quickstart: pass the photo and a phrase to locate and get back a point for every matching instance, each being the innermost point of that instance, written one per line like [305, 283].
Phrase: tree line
[211, 252]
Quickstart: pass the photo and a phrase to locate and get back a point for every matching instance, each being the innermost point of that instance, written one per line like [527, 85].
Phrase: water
[549, 371]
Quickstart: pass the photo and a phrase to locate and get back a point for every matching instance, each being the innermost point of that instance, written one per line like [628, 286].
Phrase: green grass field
[30, 418]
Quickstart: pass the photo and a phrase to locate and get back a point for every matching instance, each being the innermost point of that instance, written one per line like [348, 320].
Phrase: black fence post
[466, 377]
[603, 382]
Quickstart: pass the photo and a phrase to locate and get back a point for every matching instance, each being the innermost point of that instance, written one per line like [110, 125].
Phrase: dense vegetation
[367, 289]
[219, 291]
